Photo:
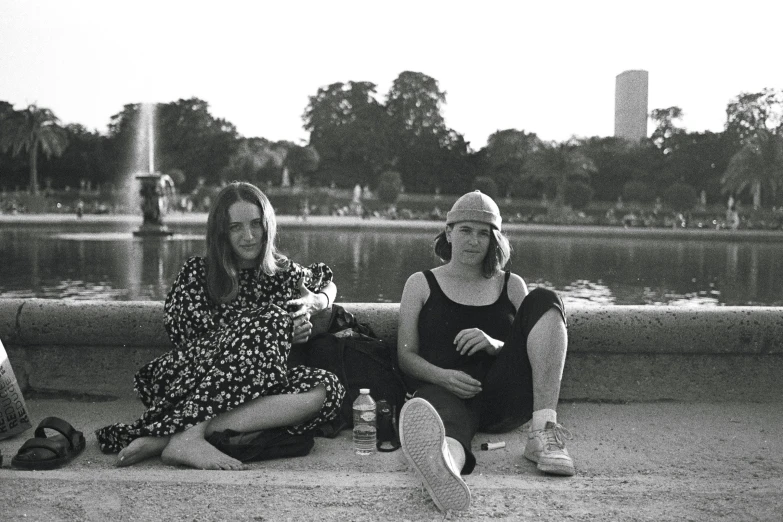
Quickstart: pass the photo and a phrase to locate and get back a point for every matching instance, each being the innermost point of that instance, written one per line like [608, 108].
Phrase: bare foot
[189, 450]
[141, 449]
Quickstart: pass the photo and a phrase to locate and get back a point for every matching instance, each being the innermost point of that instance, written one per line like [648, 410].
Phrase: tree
[187, 137]
[754, 124]
[357, 137]
[618, 161]
[414, 104]
[557, 164]
[680, 196]
[389, 186]
[423, 149]
[349, 129]
[507, 157]
[84, 162]
[577, 194]
[758, 165]
[666, 131]
[637, 191]
[750, 112]
[301, 161]
[30, 130]
[194, 141]
[456, 166]
[14, 171]
[487, 185]
[699, 159]
[254, 160]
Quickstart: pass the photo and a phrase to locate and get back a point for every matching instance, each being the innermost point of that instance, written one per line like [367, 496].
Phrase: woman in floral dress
[226, 315]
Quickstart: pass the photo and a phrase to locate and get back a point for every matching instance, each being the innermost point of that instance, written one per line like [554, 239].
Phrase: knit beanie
[475, 206]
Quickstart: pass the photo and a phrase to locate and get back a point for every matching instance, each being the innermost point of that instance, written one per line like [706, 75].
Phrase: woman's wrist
[439, 376]
[328, 301]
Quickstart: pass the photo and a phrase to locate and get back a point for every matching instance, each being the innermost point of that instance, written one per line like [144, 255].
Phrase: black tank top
[441, 319]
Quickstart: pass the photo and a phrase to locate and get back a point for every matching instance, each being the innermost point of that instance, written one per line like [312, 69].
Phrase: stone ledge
[592, 329]
[616, 353]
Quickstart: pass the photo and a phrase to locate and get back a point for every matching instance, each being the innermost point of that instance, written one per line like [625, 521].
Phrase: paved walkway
[653, 461]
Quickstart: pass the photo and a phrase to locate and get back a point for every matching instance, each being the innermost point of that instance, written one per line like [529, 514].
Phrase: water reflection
[373, 266]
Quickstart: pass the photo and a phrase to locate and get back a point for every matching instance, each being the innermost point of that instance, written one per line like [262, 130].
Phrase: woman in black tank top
[441, 319]
[463, 348]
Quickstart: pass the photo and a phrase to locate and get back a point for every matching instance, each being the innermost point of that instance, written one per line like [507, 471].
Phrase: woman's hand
[302, 329]
[307, 302]
[473, 340]
[460, 383]
[301, 309]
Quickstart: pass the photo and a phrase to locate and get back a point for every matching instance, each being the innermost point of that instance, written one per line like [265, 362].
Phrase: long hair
[498, 252]
[222, 267]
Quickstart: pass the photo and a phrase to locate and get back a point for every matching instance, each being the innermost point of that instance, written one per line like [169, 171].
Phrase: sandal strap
[56, 424]
[43, 443]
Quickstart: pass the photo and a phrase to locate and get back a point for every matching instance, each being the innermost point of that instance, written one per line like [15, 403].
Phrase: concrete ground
[636, 461]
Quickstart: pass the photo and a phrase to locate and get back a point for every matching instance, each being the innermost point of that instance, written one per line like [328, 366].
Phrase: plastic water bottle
[364, 423]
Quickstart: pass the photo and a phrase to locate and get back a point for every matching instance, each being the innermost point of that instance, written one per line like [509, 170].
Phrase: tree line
[401, 141]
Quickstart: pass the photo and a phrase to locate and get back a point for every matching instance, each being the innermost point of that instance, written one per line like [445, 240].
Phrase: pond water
[372, 266]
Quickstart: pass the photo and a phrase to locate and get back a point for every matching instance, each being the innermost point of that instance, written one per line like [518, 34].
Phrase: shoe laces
[556, 435]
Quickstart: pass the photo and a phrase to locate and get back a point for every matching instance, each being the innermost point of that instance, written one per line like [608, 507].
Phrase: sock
[455, 455]
[541, 417]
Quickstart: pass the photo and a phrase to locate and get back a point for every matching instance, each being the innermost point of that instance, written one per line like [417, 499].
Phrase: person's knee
[316, 398]
[542, 303]
[552, 318]
[542, 297]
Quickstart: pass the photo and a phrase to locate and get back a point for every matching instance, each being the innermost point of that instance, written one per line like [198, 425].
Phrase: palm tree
[758, 164]
[32, 129]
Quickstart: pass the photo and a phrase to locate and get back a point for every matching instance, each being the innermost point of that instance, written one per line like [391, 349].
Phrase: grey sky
[548, 69]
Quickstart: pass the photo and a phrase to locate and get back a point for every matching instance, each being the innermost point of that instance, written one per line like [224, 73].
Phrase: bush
[389, 186]
[486, 185]
[577, 194]
[681, 197]
[638, 191]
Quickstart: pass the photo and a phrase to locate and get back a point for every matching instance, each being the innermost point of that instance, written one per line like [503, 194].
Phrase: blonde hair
[222, 268]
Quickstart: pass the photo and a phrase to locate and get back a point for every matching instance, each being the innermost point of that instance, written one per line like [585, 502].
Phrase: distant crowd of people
[628, 216]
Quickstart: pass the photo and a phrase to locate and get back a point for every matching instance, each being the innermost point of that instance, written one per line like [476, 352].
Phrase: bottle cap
[365, 391]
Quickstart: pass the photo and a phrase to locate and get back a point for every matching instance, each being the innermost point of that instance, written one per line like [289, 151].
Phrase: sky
[543, 67]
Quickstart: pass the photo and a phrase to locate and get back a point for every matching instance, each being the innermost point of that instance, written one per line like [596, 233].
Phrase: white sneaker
[547, 448]
[423, 440]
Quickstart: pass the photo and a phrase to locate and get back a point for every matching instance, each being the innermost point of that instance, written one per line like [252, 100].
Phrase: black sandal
[42, 452]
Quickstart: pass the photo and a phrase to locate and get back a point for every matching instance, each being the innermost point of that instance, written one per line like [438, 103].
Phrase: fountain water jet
[156, 188]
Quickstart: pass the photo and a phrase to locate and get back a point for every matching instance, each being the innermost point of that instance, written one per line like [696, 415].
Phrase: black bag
[351, 351]
[268, 444]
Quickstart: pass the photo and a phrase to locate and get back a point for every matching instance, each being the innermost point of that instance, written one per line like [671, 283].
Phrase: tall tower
[630, 105]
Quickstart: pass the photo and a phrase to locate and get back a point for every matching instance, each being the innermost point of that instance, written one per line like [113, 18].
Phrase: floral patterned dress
[225, 354]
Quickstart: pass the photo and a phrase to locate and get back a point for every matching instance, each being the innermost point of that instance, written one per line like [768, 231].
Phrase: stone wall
[616, 353]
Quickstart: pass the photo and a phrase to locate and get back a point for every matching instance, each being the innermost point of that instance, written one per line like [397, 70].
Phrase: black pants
[506, 398]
